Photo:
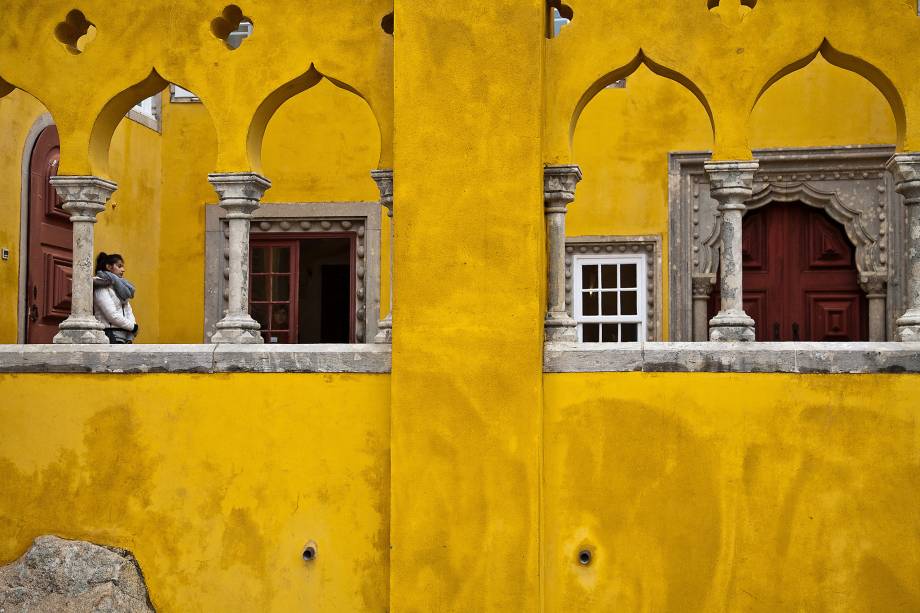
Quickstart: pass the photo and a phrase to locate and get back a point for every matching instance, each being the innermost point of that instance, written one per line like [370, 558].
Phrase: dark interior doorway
[800, 277]
[302, 287]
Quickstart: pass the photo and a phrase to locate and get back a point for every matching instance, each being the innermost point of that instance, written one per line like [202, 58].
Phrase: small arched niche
[822, 105]
[321, 145]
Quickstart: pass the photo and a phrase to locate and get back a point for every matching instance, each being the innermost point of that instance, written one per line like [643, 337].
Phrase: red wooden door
[50, 250]
[273, 288]
[800, 277]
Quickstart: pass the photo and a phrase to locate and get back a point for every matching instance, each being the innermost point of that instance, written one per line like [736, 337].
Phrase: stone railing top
[828, 358]
[375, 358]
[136, 359]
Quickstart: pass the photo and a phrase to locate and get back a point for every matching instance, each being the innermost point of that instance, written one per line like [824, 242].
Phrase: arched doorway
[50, 246]
[800, 276]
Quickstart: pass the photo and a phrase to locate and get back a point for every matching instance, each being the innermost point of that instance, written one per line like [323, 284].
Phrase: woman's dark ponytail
[104, 260]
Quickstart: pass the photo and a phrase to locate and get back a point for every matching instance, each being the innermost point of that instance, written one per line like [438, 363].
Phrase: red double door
[800, 276]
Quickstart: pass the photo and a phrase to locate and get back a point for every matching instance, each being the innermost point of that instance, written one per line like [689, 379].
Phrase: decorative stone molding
[84, 198]
[239, 194]
[849, 183]
[648, 246]
[384, 180]
[558, 191]
[731, 183]
[906, 170]
[362, 218]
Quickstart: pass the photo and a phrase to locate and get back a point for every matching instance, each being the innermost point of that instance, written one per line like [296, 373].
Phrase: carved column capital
[559, 186]
[84, 196]
[905, 168]
[703, 285]
[731, 183]
[384, 180]
[874, 284]
[239, 192]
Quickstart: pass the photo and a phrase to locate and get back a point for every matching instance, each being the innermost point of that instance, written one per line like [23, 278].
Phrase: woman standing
[111, 293]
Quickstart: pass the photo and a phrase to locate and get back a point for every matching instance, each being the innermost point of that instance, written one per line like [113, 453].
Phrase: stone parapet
[222, 358]
[804, 358]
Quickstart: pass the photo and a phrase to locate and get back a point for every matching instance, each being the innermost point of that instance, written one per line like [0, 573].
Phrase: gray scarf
[123, 288]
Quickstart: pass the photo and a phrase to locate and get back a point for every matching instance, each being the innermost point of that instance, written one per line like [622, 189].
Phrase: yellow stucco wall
[215, 482]
[717, 492]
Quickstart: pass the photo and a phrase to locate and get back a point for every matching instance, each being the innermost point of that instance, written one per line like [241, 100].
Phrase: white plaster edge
[803, 358]
[141, 359]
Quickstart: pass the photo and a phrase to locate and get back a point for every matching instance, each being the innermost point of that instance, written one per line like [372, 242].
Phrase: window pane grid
[609, 299]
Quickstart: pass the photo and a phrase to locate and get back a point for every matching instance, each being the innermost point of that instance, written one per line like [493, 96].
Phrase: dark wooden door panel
[800, 277]
[50, 247]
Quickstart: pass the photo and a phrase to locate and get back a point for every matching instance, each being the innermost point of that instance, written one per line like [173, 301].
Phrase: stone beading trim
[801, 358]
[362, 218]
[212, 358]
[647, 245]
[850, 183]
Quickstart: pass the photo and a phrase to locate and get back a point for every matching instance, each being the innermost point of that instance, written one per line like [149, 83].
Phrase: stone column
[239, 194]
[731, 183]
[384, 180]
[702, 290]
[84, 197]
[558, 191]
[906, 170]
[876, 288]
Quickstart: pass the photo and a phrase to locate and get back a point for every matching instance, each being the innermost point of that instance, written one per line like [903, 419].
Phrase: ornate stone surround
[649, 246]
[849, 183]
[362, 218]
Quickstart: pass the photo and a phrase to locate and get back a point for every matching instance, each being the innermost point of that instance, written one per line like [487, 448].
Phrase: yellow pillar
[468, 306]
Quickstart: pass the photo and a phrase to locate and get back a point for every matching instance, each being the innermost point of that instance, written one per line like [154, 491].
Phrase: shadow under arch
[5, 88]
[277, 98]
[853, 64]
[623, 72]
[111, 115]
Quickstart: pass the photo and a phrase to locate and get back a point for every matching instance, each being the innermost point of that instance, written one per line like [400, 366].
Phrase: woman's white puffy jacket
[110, 310]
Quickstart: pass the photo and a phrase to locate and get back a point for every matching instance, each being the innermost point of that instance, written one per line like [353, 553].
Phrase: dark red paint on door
[50, 252]
[800, 276]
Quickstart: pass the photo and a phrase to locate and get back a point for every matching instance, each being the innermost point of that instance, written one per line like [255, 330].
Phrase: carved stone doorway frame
[362, 218]
[849, 183]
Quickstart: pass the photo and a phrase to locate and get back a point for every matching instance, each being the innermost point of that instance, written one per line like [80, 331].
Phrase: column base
[730, 326]
[81, 331]
[909, 326]
[384, 334]
[238, 329]
[560, 329]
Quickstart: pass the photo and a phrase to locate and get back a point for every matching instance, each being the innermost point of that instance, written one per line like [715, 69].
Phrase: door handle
[33, 312]
[795, 331]
[775, 330]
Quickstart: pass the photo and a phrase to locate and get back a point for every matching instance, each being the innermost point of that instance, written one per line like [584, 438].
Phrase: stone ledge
[138, 359]
[824, 358]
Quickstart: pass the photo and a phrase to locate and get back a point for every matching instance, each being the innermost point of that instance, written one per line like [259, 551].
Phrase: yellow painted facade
[467, 479]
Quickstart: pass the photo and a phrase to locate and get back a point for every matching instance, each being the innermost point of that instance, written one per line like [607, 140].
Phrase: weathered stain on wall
[717, 492]
[215, 482]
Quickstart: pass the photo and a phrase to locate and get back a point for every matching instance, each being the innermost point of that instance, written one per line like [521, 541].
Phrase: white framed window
[180, 94]
[147, 112]
[609, 298]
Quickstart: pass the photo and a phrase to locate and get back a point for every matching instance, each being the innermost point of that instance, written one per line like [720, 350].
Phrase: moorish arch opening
[620, 215]
[311, 245]
[815, 244]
